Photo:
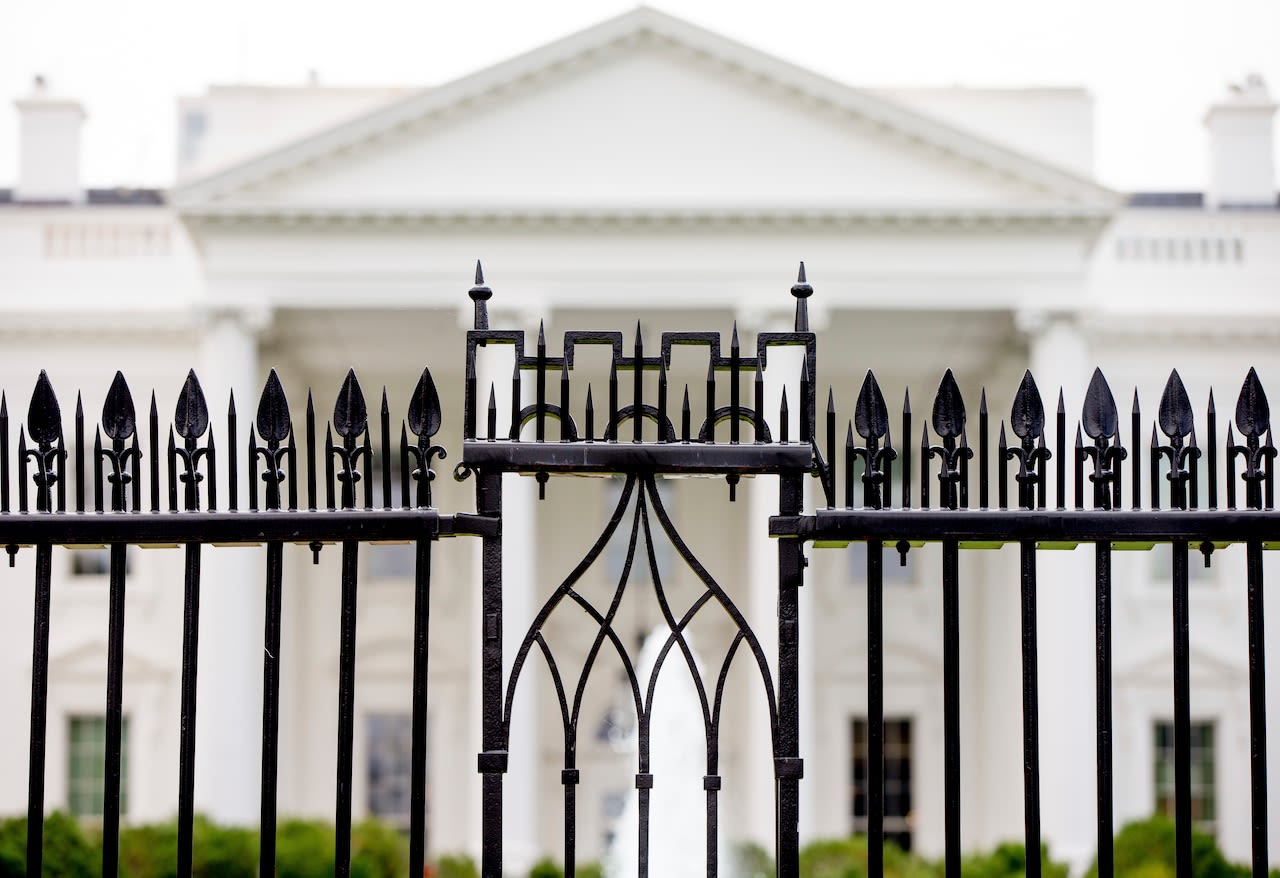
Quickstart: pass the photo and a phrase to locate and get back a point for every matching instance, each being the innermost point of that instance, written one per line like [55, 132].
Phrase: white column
[1059, 357]
[229, 685]
[521, 800]
[762, 612]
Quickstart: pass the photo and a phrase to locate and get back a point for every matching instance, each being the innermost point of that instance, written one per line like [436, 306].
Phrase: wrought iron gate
[317, 492]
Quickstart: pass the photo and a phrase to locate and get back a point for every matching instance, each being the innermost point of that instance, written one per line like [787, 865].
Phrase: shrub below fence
[305, 850]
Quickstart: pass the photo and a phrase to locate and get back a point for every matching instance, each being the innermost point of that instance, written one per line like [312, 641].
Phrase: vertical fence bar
[984, 498]
[1135, 438]
[1102, 587]
[153, 449]
[735, 391]
[951, 702]
[492, 761]
[1030, 706]
[418, 753]
[79, 466]
[346, 707]
[637, 389]
[788, 768]
[875, 708]
[270, 709]
[115, 691]
[4, 450]
[187, 742]
[906, 449]
[1181, 710]
[273, 420]
[1257, 709]
[1257, 671]
[39, 711]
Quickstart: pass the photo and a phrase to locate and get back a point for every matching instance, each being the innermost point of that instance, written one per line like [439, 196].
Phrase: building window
[390, 740]
[898, 816]
[86, 765]
[1204, 804]
[96, 562]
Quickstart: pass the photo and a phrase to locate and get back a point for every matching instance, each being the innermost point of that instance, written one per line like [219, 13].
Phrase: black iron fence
[182, 489]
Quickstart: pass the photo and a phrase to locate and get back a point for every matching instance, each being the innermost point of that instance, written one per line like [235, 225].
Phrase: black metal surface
[635, 434]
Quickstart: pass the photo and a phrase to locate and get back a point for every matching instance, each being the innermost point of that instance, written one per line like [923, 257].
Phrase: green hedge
[1146, 850]
[304, 849]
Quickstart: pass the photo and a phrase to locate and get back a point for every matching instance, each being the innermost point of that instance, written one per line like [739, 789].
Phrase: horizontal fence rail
[1040, 484]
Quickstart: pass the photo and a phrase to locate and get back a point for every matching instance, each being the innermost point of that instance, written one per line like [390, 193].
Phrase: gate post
[492, 760]
[788, 766]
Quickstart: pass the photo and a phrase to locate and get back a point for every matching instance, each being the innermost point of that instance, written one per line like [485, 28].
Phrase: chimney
[1242, 170]
[48, 147]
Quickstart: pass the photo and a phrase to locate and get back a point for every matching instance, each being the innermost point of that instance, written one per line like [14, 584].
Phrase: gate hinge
[470, 524]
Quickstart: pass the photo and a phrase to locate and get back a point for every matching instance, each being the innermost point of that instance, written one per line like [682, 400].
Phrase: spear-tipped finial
[802, 291]
[480, 294]
[542, 335]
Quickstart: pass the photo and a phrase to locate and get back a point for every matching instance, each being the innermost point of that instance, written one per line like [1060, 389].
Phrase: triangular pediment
[1156, 669]
[642, 113]
[87, 660]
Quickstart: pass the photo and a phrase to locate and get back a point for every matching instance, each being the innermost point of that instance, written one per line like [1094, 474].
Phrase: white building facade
[644, 170]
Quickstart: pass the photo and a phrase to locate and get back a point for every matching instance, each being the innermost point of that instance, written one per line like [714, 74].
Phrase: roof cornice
[956, 218]
[633, 28]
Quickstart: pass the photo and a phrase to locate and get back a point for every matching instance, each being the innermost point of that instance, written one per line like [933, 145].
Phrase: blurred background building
[643, 169]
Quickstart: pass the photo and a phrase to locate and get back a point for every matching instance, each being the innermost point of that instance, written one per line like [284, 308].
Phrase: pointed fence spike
[1026, 419]
[948, 408]
[44, 417]
[350, 414]
[1101, 420]
[424, 407]
[1253, 412]
[273, 420]
[191, 415]
[118, 417]
[801, 290]
[686, 416]
[870, 414]
[480, 295]
[1175, 415]
[784, 417]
